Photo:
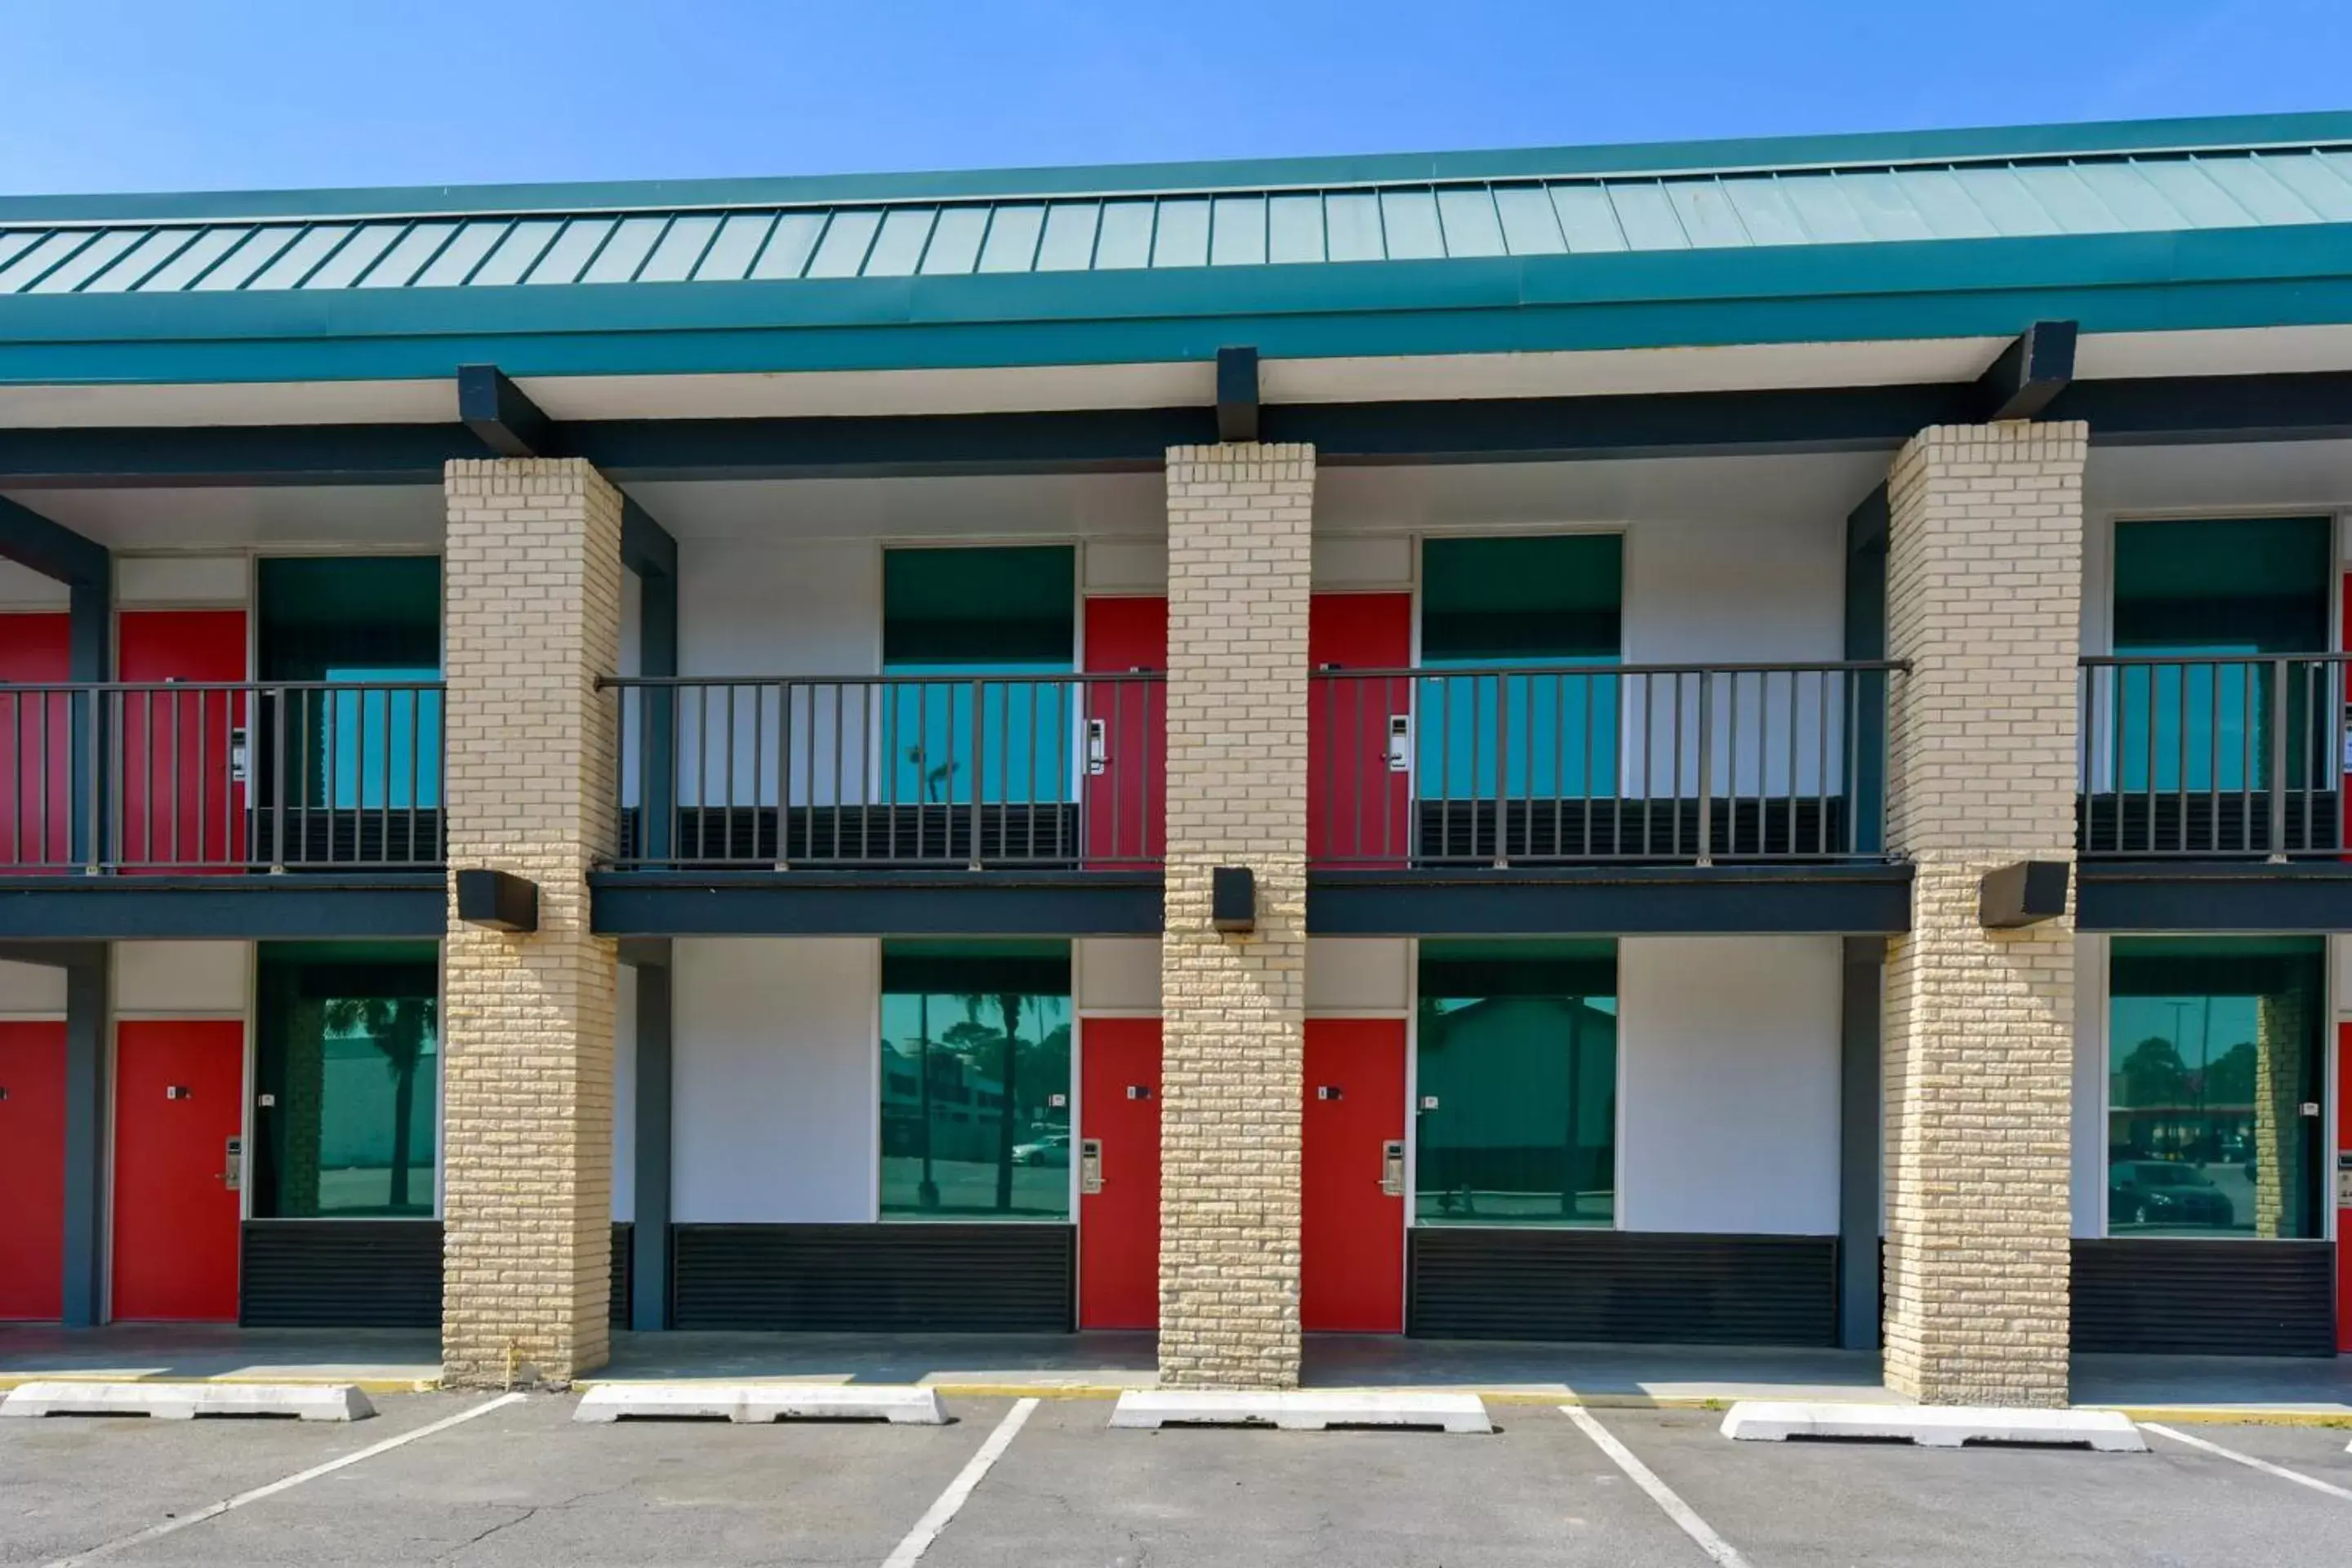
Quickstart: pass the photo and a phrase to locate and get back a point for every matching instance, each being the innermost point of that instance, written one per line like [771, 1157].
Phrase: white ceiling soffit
[1596, 372]
[291, 517]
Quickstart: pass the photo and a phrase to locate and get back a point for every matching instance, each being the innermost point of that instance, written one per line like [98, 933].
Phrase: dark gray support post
[89, 1031]
[649, 1230]
[1866, 638]
[657, 654]
[1860, 1130]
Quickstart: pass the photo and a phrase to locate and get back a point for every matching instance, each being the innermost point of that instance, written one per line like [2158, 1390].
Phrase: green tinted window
[984, 609]
[347, 1079]
[2214, 1052]
[1515, 1070]
[2233, 585]
[358, 620]
[1540, 598]
[976, 1081]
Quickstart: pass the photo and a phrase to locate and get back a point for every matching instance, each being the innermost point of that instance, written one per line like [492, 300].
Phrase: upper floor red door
[1127, 732]
[35, 742]
[1351, 1198]
[180, 807]
[1358, 801]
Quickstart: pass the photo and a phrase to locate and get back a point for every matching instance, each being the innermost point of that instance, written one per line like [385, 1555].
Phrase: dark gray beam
[649, 1229]
[90, 993]
[1237, 395]
[2030, 373]
[494, 409]
[646, 547]
[53, 549]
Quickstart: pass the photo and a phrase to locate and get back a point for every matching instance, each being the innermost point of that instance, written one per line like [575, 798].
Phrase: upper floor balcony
[2213, 757]
[211, 778]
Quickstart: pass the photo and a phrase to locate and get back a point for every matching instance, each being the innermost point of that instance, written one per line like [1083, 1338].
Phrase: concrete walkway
[391, 1360]
[381, 1361]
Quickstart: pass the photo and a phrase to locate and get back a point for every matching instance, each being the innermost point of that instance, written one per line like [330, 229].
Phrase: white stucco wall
[1729, 1104]
[774, 1062]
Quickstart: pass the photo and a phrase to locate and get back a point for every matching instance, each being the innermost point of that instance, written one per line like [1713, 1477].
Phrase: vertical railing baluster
[2278, 760]
[1706, 769]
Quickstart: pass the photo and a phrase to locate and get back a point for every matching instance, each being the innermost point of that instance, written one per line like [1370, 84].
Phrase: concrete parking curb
[759, 1403]
[10, 1382]
[1301, 1410]
[1932, 1426]
[187, 1401]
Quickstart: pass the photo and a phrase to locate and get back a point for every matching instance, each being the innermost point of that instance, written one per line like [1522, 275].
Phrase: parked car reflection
[2165, 1193]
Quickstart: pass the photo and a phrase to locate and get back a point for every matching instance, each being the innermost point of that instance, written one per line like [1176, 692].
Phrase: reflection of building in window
[348, 1080]
[1517, 1074]
[2212, 1057]
[976, 1071]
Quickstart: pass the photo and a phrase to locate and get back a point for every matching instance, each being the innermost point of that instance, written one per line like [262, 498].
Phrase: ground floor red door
[32, 1172]
[1119, 1171]
[179, 1088]
[1351, 1241]
[2343, 1187]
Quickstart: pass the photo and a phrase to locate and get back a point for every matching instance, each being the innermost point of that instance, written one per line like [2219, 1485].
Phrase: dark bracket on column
[2025, 893]
[500, 900]
[2030, 373]
[1232, 900]
[1237, 402]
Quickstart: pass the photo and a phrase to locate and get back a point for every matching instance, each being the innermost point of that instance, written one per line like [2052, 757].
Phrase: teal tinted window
[356, 620]
[1010, 614]
[2214, 1052]
[1547, 602]
[976, 1081]
[1515, 1070]
[347, 1079]
[2235, 585]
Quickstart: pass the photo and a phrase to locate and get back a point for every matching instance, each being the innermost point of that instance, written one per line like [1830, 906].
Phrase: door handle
[1399, 742]
[1089, 1164]
[232, 1168]
[1393, 1168]
[1097, 746]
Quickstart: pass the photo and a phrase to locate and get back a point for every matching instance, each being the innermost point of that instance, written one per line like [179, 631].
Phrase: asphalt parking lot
[517, 1482]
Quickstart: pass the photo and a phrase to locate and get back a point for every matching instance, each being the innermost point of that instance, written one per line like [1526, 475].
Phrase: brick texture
[1239, 526]
[532, 577]
[1984, 585]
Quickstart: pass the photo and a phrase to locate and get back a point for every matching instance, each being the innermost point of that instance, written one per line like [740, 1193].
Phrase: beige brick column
[532, 578]
[1239, 522]
[1984, 590]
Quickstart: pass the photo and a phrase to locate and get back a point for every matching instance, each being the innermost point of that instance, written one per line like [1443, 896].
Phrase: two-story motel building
[1738, 742]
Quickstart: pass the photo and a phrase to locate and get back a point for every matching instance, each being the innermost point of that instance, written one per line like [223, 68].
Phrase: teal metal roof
[2137, 227]
[1417, 221]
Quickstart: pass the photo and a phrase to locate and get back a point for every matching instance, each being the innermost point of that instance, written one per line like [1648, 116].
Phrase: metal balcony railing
[215, 776]
[2216, 756]
[953, 771]
[1601, 764]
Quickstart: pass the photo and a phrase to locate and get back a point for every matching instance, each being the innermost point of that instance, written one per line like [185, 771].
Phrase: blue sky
[100, 95]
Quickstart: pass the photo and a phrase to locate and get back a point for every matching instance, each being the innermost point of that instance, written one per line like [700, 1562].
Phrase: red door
[179, 1087]
[1358, 807]
[36, 737]
[1127, 732]
[32, 1172]
[1351, 1231]
[1119, 1224]
[2343, 1193]
[179, 810]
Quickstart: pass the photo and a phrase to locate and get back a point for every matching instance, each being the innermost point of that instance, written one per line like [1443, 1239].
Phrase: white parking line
[2281, 1471]
[213, 1511]
[935, 1520]
[1716, 1549]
